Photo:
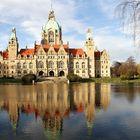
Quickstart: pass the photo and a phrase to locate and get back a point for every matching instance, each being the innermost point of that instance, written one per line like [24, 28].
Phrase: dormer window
[31, 57]
[71, 55]
[19, 56]
[25, 57]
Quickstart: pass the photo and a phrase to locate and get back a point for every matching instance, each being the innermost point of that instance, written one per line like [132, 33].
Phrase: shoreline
[95, 80]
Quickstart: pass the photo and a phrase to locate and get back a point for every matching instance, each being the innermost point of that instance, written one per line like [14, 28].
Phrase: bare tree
[129, 13]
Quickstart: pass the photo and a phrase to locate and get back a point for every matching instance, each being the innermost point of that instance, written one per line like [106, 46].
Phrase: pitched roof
[27, 52]
[78, 51]
[97, 54]
[46, 47]
[5, 54]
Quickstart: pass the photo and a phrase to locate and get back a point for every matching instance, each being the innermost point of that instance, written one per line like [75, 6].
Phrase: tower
[89, 46]
[51, 32]
[13, 45]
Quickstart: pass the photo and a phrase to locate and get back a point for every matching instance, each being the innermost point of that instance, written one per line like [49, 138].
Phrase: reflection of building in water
[53, 102]
[53, 125]
[40, 99]
[84, 100]
[102, 98]
[90, 109]
[56, 106]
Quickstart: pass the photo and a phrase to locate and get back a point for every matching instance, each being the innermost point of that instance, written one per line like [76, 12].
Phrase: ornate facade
[52, 57]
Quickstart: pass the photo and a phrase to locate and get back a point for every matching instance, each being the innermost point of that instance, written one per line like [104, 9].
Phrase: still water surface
[85, 111]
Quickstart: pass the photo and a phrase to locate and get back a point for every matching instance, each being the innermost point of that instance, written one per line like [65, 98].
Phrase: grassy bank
[115, 80]
[6, 80]
[108, 80]
[96, 80]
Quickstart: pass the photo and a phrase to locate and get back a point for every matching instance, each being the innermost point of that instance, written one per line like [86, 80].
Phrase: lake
[78, 111]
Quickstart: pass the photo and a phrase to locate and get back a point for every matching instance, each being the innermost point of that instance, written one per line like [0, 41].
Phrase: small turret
[89, 34]
[51, 15]
[13, 35]
[13, 45]
[89, 46]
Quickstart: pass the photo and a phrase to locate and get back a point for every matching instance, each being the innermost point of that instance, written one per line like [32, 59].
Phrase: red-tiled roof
[5, 54]
[27, 52]
[75, 52]
[46, 47]
[98, 54]
[55, 46]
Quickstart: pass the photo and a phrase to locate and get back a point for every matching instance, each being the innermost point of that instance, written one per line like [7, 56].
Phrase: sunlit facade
[52, 57]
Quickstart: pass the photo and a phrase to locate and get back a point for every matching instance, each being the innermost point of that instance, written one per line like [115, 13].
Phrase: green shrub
[74, 78]
[28, 79]
[127, 77]
[123, 77]
[87, 80]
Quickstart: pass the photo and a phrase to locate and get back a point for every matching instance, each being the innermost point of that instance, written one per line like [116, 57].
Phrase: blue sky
[75, 16]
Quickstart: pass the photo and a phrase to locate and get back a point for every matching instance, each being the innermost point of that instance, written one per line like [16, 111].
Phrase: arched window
[83, 65]
[25, 72]
[51, 36]
[24, 65]
[19, 65]
[40, 64]
[61, 64]
[31, 72]
[19, 73]
[83, 71]
[50, 64]
[77, 65]
[77, 71]
[30, 65]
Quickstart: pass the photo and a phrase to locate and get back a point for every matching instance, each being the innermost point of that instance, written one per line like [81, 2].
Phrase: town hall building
[52, 58]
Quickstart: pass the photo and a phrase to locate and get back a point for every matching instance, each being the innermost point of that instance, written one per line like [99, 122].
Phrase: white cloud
[119, 47]
[30, 15]
[108, 7]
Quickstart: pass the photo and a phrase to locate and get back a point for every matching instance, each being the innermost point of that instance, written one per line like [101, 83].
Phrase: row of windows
[18, 72]
[83, 71]
[105, 71]
[24, 65]
[41, 57]
[24, 72]
[50, 64]
[104, 62]
[97, 71]
[52, 57]
[78, 65]
[77, 56]
[7, 67]
[105, 67]
[25, 57]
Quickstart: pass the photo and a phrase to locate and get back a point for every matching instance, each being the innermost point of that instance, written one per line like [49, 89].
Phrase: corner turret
[89, 46]
[13, 45]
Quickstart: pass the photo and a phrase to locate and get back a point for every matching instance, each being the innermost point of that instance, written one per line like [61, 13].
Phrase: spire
[13, 35]
[51, 5]
[89, 34]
